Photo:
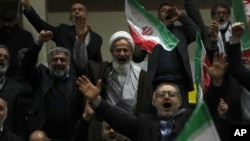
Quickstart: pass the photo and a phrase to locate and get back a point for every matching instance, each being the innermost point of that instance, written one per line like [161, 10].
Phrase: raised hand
[24, 1]
[44, 36]
[218, 68]
[89, 112]
[238, 29]
[90, 91]
[213, 30]
[222, 109]
[174, 13]
[81, 28]
[26, 4]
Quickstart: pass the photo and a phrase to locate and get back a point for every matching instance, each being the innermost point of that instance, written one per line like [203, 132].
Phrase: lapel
[5, 88]
[70, 91]
[155, 130]
[46, 86]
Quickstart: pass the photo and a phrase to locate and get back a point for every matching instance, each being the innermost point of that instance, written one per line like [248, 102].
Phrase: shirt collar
[1, 130]
[2, 80]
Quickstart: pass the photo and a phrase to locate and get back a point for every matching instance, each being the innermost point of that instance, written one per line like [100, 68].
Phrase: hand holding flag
[146, 30]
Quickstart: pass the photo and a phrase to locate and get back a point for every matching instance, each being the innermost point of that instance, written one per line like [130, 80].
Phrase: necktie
[166, 129]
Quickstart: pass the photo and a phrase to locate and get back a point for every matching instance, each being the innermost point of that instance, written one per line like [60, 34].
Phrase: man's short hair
[178, 92]
[56, 50]
[220, 4]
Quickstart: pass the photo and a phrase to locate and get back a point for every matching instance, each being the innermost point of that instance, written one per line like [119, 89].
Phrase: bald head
[38, 135]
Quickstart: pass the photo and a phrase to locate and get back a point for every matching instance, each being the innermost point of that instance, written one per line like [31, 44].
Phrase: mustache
[221, 20]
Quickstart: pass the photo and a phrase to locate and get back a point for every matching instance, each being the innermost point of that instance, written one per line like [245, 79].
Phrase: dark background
[118, 5]
[109, 5]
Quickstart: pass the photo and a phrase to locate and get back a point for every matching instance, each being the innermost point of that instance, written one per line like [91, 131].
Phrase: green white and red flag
[241, 13]
[147, 30]
[200, 126]
[202, 78]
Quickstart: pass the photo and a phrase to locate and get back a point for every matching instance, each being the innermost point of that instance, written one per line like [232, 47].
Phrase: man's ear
[180, 102]
[154, 99]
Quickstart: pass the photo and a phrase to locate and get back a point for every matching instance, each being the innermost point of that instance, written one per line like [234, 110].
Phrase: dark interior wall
[118, 5]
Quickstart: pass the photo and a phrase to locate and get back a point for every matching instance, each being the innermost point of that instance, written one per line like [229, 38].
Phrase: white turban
[121, 34]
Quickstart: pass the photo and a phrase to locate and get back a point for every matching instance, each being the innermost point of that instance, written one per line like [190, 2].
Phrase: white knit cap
[121, 34]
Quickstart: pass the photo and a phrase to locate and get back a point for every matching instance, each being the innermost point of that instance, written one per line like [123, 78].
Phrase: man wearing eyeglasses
[166, 125]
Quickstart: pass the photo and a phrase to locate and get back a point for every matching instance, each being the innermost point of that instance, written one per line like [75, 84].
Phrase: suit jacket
[65, 35]
[81, 130]
[236, 69]
[186, 34]
[192, 10]
[102, 71]
[41, 82]
[231, 91]
[13, 93]
[7, 135]
[227, 91]
[17, 39]
[144, 127]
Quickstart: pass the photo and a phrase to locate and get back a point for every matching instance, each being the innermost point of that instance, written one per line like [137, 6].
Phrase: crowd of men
[78, 96]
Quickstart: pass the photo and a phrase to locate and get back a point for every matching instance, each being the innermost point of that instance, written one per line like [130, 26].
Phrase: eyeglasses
[164, 93]
[78, 9]
[4, 56]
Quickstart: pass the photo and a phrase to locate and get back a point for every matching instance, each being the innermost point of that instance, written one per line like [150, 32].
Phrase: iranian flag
[200, 126]
[202, 78]
[241, 13]
[146, 29]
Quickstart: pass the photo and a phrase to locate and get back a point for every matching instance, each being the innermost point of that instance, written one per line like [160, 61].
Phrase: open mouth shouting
[221, 21]
[2, 65]
[167, 105]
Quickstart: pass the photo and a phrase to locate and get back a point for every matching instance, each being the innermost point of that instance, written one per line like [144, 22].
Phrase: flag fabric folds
[241, 13]
[147, 30]
[202, 78]
[200, 126]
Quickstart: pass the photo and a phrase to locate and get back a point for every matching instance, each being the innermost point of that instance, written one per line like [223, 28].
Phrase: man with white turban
[125, 85]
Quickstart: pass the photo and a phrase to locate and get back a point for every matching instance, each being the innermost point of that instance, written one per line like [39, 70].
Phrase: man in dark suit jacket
[166, 125]
[15, 38]
[5, 133]
[58, 104]
[125, 85]
[225, 84]
[65, 35]
[13, 93]
[236, 68]
[172, 65]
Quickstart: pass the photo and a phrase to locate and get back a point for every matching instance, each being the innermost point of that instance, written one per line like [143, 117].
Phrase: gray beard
[2, 121]
[58, 74]
[122, 69]
[223, 26]
[4, 69]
